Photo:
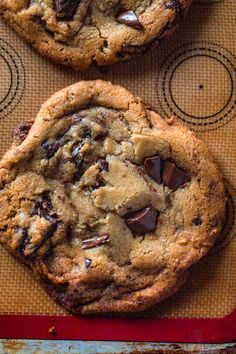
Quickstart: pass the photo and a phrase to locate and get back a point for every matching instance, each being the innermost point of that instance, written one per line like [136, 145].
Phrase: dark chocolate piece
[37, 19]
[22, 129]
[197, 221]
[88, 262]
[78, 161]
[50, 148]
[153, 167]
[99, 181]
[142, 221]
[26, 248]
[130, 19]
[75, 154]
[23, 240]
[103, 165]
[43, 207]
[86, 133]
[95, 241]
[66, 9]
[173, 177]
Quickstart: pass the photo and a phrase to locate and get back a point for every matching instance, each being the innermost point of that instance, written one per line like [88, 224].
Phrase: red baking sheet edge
[217, 330]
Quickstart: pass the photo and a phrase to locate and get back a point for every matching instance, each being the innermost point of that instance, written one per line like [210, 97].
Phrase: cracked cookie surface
[80, 32]
[106, 201]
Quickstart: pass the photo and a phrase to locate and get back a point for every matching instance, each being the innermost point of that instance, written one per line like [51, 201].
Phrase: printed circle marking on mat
[229, 226]
[12, 79]
[197, 83]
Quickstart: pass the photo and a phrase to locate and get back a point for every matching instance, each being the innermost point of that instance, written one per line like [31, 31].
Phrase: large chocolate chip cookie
[106, 201]
[79, 32]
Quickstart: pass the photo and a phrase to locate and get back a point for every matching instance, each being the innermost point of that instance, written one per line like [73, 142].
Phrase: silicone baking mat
[191, 75]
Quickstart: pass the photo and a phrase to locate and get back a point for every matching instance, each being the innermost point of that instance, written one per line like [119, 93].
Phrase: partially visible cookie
[80, 32]
[106, 201]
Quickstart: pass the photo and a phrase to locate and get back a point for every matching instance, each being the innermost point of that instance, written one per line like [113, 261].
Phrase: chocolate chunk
[130, 49]
[80, 172]
[197, 221]
[75, 154]
[88, 262]
[43, 207]
[153, 167]
[103, 165]
[50, 148]
[31, 250]
[37, 19]
[100, 137]
[23, 239]
[142, 221]
[66, 9]
[95, 241]
[22, 129]
[78, 161]
[28, 249]
[130, 19]
[76, 157]
[86, 133]
[173, 177]
[99, 181]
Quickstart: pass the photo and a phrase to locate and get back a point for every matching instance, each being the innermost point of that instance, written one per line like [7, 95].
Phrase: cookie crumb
[52, 331]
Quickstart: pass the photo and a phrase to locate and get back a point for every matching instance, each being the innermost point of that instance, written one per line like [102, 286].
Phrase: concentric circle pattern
[12, 78]
[197, 84]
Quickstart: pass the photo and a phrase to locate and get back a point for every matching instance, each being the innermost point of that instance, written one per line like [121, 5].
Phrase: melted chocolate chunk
[26, 248]
[88, 262]
[100, 137]
[66, 9]
[37, 19]
[197, 221]
[142, 221]
[103, 165]
[153, 166]
[43, 207]
[76, 157]
[32, 250]
[86, 133]
[130, 19]
[129, 49]
[50, 148]
[21, 131]
[173, 177]
[23, 240]
[78, 161]
[75, 154]
[99, 181]
[95, 241]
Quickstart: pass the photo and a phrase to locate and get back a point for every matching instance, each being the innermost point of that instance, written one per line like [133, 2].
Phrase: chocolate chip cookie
[80, 32]
[106, 201]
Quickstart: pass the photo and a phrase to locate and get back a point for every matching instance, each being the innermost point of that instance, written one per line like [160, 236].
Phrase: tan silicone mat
[191, 75]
